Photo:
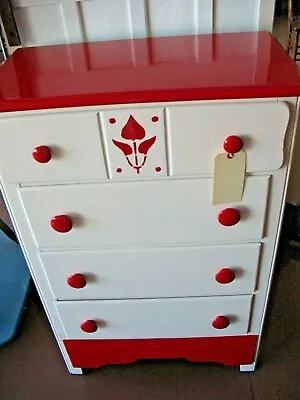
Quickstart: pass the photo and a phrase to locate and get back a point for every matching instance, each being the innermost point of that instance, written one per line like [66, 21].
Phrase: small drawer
[44, 147]
[141, 213]
[152, 273]
[198, 132]
[154, 318]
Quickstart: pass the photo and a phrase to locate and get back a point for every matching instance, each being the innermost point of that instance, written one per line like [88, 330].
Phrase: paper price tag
[229, 177]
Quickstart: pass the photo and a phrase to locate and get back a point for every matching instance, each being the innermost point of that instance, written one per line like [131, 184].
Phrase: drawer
[197, 134]
[194, 135]
[150, 273]
[154, 318]
[72, 137]
[131, 142]
[142, 213]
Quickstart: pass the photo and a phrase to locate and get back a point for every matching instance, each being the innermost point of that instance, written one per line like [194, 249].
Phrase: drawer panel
[154, 318]
[72, 137]
[197, 134]
[142, 273]
[142, 213]
[133, 141]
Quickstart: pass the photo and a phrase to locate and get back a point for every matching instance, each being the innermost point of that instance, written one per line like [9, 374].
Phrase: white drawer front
[197, 134]
[142, 273]
[138, 213]
[72, 137]
[167, 318]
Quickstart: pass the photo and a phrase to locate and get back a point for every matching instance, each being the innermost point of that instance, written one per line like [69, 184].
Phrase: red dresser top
[204, 67]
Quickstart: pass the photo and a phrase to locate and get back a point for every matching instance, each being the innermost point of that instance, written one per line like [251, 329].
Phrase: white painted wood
[236, 15]
[155, 158]
[197, 133]
[105, 19]
[183, 17]
[142, 213]
[74, 140]
[184, 128]
[160, 272]
[156, 318]
[248, 367]
[266, 15]
[265, 281]
[92, 20]
[36, 24]
[10, 196]
[272, 230]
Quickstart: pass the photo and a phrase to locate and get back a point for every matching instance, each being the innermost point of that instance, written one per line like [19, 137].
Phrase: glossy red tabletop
[219, 66]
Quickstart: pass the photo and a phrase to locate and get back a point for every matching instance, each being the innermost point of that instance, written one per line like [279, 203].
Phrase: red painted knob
[233, 144]
[42, 154]
[61, 223]
[225, 275]
[229, 217]
[89, 326]
[76, 281]
[220, 322]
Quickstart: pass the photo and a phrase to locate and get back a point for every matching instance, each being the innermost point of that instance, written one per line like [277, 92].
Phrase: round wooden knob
[225, 275]
[89, 326]
[61, 223]
[42, 154]
[220, 322]
[233, 144]
[229, 217]
[76, 281]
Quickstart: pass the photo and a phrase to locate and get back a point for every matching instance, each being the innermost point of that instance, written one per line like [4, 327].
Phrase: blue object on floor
[14, 286]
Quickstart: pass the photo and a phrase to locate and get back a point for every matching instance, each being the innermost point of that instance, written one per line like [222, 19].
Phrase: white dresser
[107, 168]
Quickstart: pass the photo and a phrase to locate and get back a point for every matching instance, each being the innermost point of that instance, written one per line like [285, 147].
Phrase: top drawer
[72, 137]
[139, 141]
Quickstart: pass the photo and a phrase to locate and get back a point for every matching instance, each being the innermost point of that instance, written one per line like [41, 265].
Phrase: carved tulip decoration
[135, 153]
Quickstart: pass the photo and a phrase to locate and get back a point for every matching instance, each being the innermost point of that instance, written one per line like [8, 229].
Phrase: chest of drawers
[106, 166]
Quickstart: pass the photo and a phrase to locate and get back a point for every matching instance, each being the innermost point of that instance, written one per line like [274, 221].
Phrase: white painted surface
[90, 20]
[151, 273]
[267, 261]
[248, 367]
[82, 147]
[155, 318]
[155, 157]
[73, 138]
[197, 134]
[142, 213]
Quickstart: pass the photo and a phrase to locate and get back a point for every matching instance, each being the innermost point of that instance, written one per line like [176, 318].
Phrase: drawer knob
[61, 223]
[225, 275]
[220, 322]
[76, 281]
[229, 217]
[89, 326]
[233, 144]
[42, 154]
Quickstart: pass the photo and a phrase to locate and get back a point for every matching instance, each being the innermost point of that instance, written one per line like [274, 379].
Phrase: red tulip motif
[139, 149]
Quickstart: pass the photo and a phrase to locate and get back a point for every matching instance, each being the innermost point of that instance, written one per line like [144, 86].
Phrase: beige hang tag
[229, 177]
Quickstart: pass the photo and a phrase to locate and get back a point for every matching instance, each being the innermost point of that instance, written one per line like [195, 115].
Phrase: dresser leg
[247, 367]
[74, 371]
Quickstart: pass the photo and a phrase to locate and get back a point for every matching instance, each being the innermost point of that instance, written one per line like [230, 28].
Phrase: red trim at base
[229, 350]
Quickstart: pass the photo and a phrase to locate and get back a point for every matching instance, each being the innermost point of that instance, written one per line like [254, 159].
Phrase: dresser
[107, 153]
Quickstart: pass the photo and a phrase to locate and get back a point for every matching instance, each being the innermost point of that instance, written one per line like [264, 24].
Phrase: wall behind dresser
[45, 22]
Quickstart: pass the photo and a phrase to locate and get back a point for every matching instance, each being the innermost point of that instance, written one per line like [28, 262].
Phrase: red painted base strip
[232, 350]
